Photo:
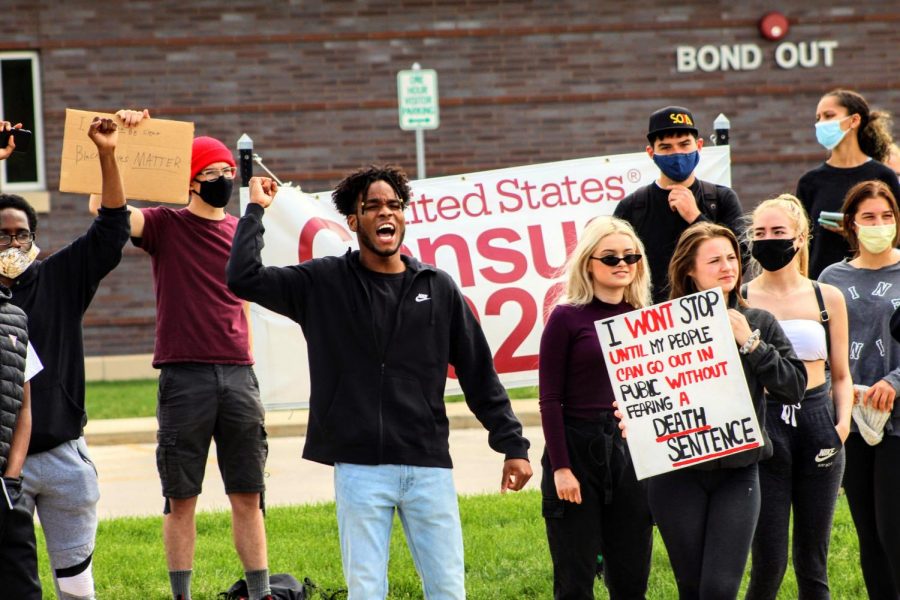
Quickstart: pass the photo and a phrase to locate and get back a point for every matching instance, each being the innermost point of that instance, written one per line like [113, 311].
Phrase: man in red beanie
[207, 388]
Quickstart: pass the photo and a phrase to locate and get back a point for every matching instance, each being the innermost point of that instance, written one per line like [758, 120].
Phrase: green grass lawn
[506, 554]
[121, 399]
[137, 398]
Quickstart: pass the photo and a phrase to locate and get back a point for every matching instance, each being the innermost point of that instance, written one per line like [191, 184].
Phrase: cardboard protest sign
[676, 373]
[154, 158]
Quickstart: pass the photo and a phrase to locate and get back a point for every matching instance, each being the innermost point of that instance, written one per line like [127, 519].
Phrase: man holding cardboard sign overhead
[59, 480]
[207, 388]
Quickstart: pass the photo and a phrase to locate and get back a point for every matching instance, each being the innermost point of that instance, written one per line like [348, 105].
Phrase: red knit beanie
[206, 151]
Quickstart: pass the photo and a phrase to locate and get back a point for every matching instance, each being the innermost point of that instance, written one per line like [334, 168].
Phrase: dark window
[19, 103]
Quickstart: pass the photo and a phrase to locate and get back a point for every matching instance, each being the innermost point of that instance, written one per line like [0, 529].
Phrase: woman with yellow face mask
[870, 283]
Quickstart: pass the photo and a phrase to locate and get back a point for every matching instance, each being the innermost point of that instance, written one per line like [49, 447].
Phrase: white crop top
[807, 337]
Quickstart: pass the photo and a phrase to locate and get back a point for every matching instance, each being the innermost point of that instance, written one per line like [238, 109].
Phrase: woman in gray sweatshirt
[870, 282]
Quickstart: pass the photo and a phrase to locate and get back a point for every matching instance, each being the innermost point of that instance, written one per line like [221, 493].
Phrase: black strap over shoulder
[710, 199]
[823, 315]
[708, 203]
[639, 207]
[823, 312]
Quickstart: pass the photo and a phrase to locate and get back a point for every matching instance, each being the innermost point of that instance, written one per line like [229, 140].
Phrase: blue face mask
[677, 167]
[830, 134]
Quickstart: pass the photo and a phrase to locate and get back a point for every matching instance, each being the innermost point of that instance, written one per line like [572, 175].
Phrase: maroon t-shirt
[198, 319]
[573, 378]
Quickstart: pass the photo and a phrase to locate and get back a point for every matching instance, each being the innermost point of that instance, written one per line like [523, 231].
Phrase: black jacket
[13, 349]
[55, 293]
[647, 210]
[366, 407]
[772, 371]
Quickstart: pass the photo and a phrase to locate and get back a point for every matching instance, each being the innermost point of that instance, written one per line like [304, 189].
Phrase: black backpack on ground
[286, 587]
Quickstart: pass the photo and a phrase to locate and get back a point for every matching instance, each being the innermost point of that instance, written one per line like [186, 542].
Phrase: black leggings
[18, 552]
[872, 485]
[805, 471]
[613, 517]
[707, 519]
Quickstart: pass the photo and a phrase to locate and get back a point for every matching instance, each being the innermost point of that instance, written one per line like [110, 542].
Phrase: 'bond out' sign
[677, 376]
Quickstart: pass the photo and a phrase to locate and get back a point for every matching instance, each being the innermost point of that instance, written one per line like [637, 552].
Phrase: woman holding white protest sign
[592, 502]
[870, 283]
[706, 513]
[807, 438]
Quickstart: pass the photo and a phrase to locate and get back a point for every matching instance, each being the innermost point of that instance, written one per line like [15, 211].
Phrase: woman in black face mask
[808, 462]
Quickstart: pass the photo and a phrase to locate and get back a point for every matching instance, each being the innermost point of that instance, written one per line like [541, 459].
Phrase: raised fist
[104, 133]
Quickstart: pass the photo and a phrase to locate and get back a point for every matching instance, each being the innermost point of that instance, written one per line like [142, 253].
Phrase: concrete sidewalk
[124, 453]
[129, 484]
[281, 423]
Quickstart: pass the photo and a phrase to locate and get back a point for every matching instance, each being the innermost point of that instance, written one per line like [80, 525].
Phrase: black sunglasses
[612, 261]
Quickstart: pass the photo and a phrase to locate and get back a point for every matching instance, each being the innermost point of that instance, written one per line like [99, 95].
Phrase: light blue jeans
[425, 499]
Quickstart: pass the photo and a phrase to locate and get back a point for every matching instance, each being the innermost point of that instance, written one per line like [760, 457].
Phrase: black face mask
[216, 193]
[773, 255]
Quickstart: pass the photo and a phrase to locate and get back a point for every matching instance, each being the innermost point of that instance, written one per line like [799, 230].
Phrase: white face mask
[14, 261]
[876, 238]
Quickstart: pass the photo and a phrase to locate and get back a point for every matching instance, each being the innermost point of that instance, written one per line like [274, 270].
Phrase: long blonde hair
[579, 287]
[796, 214]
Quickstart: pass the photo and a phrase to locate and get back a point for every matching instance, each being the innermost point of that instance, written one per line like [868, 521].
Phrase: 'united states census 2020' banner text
[503, 235]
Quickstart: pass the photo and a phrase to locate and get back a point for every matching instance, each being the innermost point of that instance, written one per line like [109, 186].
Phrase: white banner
[503, 236]
[676, 373]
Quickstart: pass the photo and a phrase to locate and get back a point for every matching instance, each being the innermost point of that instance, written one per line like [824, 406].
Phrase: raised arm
[280, 289]
[113, 196]
[11, 144]
[135, 216]
[105, 135]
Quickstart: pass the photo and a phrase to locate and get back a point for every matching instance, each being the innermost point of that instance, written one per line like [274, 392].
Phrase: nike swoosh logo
[825, 453]
[422, 298]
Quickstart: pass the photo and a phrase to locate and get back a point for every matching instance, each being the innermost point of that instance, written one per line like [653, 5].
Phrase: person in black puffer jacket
[18, 551]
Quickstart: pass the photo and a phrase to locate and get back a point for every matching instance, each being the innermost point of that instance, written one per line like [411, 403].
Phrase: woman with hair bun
[855, 135]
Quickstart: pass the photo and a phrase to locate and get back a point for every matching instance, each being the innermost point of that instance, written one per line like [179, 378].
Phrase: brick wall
[521, 82]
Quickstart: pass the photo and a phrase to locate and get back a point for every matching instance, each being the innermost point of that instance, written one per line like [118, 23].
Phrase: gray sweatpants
[61, 484]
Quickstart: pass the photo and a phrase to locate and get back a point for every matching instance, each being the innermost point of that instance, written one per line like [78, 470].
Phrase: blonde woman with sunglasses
[592, 502]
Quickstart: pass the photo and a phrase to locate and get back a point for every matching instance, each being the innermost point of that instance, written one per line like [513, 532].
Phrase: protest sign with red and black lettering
[676, 374]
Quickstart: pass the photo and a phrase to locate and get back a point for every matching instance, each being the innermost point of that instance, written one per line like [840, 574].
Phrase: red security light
[773, 26]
